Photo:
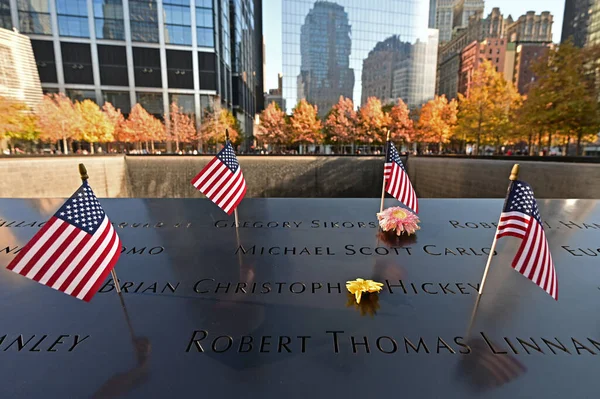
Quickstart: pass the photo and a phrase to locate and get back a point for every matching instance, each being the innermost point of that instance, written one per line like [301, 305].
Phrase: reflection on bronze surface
[485, 370]
[368, 306]
[391, 239]
[123, 383]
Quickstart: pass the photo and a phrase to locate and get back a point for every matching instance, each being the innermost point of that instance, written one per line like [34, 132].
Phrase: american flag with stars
[521, 218]
[222, 180]
[75, 250]
[397, 182]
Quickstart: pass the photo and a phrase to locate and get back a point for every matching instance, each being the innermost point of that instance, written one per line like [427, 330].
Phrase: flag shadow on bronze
[124, 382]
[484, 370]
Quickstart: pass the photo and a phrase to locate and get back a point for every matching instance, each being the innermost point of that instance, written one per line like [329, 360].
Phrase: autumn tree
[487, 111]
[563, 100]
[399, 123]
[143, 127]
[273, 128]
[372, 122]
[117, 122]
[95, 126]
[17, 121]
[437, 120]
[59, 120]
[341, 123]
[181, 126]
[215, 121]
[306, 128]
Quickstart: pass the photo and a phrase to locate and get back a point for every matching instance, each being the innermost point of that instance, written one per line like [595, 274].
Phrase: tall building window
[205, 23]
[152, 102]
[225, 32]
[108, 19]
[34, 16]
[185, 102]
[144, 21]
[146, 67]
[179, 69]
[77, 63]
[72, 18]
[43, 51]
[80, 95]
[207, 70]
[178, 23]
[119, 100]
[5, 20]
[113, 65]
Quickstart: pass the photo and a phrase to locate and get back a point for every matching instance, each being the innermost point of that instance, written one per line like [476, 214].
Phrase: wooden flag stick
[514, 174]
[84, 176]
[383, 185]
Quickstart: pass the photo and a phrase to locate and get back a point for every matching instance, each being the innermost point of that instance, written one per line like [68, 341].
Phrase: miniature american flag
[521, 218]
[397, 181]
[222, 180]
[75, 250]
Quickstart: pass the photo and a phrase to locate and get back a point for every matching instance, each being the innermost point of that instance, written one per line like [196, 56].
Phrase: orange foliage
[305, 125]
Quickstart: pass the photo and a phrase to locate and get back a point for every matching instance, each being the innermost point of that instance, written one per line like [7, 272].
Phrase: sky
[272, 26]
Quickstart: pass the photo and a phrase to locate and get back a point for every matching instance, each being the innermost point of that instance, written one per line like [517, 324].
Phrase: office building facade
[499, 40]
[152, 52]
[19, 79]
[576, 21]
[329, 46]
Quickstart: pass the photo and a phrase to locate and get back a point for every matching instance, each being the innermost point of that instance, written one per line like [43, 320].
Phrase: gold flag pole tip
[514, 174]
[83, 172]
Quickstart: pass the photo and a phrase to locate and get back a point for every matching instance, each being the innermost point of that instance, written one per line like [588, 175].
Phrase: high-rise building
[414, 83]
[531, 28]
[458, 58]
[576, 21]
[494, 50]
[325, 47]
[444, 18]
[526, 54]
[274, 95]
[150, 52]
[463, 9]
[379, 68]
[19, 79]
[327, 43]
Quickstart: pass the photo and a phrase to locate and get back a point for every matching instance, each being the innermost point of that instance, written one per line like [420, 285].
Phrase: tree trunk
[65, 147]
[549, 142]
[579, 143]
[176, 145]
[539, 146]
[152, 146]
[530, 144]
[567, 145]
[91, 148]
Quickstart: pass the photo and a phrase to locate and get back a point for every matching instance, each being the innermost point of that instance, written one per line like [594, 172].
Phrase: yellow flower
[358, 286]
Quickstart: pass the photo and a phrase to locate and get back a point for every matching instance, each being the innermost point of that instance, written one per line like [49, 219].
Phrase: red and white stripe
[220, 185]
[399, 186]
[533, 259]
[68, 259]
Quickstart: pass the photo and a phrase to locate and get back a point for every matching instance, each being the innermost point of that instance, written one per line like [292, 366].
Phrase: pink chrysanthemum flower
[399, 220]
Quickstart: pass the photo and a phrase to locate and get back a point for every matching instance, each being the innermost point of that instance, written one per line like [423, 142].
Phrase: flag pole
[84, 176]
[383, 185]
[235, 214]
[514, 174]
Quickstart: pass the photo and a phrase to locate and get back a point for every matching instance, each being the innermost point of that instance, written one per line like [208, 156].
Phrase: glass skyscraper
[151, 52]
[357, 49]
